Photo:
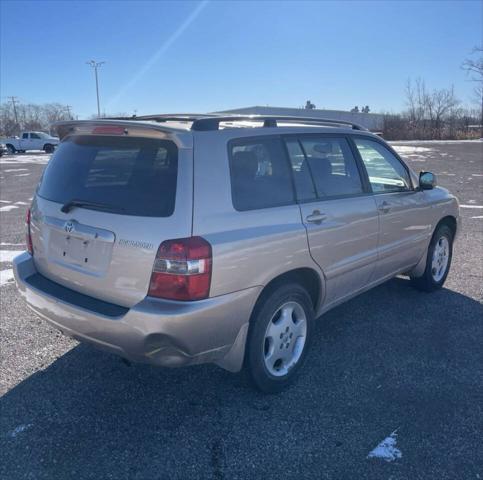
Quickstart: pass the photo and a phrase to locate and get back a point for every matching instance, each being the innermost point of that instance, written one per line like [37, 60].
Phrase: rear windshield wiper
[68, 206]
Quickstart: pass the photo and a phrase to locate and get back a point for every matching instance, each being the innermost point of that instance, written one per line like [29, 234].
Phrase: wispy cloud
[157, 55]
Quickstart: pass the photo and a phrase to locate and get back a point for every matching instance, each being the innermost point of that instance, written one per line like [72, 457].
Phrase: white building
[372, 121]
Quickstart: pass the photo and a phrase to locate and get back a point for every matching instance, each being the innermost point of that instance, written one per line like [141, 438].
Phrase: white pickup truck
[30, 141]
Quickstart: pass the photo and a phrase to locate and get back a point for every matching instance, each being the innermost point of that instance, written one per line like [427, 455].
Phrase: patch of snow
[9, 255]
[7, 208]
[478, 216]
[16, 170]
[22, 175]
[461, 206]
[6, 244]
[416, 154]
[6, 277]
[387, 450]
[40, 158]
[21, 203]
[411, 150]
[434, 141]
[20, 429]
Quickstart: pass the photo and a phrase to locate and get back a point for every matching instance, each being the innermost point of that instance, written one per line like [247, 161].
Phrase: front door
[339, 214]
[403, 232]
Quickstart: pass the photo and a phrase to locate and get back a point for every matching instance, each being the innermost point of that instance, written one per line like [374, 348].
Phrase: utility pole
[95, 65]
[68, 107]
[14, 100]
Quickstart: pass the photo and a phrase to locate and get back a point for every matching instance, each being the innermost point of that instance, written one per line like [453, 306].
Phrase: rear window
[135, 176]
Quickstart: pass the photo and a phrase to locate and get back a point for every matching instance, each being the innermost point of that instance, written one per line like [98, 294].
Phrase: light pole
[95, 65]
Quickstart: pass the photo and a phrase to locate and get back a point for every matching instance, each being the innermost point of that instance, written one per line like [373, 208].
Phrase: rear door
[104, 205]
[403, 230]
[339, 214]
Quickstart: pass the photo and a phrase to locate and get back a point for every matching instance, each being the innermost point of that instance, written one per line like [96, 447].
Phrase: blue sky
[203, 56]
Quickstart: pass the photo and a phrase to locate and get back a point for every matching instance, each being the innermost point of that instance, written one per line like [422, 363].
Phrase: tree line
[438, 114]
[17, 117]
[432, 115]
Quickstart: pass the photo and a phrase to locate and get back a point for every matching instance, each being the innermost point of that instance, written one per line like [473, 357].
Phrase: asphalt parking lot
[393, 364]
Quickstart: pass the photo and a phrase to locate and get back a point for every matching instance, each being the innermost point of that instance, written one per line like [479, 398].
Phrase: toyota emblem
[69, 226]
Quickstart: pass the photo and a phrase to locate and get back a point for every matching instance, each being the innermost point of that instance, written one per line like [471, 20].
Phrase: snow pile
[413, 153]
[387, 450]
[6, 277]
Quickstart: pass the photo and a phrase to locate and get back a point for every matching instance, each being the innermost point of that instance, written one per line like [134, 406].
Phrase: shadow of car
[393, 358]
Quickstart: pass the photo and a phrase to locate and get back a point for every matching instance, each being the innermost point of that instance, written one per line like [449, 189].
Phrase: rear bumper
[160, 332]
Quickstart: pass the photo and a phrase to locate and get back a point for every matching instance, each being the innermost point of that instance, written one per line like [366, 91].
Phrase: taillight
[182, 270]
[28, 236]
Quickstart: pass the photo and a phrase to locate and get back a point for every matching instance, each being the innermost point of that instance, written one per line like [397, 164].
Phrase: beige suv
[179, 240]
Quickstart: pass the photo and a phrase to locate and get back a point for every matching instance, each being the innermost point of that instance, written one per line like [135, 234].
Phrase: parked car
[3, 149]
[179, 240]
[31, 141]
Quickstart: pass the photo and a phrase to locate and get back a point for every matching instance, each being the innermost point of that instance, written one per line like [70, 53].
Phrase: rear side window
[134, 176]
[332, 166]
[260, 174]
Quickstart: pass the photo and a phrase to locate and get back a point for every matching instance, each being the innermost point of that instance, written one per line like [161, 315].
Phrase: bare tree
[474, 69]
[30, 117]
[428, 112]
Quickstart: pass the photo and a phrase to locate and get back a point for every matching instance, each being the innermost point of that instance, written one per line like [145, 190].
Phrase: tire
[277, 342]
[11, 149]
[438, 261]
[48, 148]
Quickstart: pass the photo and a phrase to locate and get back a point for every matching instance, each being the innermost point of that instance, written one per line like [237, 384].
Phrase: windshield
[135, 176]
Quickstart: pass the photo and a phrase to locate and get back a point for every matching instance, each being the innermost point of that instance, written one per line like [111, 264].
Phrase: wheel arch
[450, 222]
[307, 277]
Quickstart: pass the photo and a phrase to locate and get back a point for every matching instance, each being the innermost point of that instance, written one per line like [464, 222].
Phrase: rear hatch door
[104, 205]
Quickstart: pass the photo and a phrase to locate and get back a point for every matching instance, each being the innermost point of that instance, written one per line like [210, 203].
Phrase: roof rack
[213, 123]
[206, 122]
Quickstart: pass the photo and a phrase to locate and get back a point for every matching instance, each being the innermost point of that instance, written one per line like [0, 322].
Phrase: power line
[95, 65]
[14, 100]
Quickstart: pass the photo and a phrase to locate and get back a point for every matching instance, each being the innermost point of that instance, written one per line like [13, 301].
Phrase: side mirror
[427, 180]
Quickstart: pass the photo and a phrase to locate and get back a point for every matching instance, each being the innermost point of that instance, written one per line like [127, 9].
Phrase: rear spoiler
[119, 127]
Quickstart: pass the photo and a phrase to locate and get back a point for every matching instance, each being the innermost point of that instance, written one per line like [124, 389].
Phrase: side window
[34, 135]
[332, 166]
[260, 174]
[385, 171]
[25, 135]
[304, 185]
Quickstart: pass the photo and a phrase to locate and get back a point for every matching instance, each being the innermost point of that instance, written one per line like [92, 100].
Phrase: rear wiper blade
[68, 206]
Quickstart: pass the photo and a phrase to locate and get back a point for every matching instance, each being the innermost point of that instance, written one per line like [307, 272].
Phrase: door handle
[384, 207]
[316, 217]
